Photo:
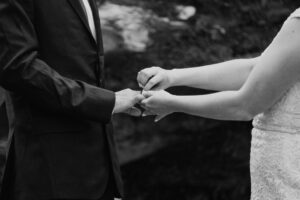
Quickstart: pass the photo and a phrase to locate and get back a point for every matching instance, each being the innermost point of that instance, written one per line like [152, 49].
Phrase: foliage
[203, 159]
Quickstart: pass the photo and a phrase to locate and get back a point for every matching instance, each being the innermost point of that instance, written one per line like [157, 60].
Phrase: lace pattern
[275, 148]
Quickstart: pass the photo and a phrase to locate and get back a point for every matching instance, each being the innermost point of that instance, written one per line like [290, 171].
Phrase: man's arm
[23, 72]
[2, 96]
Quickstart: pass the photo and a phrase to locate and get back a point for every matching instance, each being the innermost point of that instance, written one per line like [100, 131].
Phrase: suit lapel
[76, 5]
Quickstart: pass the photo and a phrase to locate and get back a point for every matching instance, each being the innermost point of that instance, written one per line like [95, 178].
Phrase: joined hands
[126, 101]
[153, 98]
[158, 102]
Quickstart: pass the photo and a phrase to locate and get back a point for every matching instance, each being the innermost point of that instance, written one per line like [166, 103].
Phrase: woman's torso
[275, 150]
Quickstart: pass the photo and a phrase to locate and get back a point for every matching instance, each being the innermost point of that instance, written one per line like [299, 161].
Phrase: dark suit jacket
[3, 136]
[59, 111]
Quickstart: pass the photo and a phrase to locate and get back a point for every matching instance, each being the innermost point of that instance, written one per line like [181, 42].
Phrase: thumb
[139, 98]
[159, 117]
[147, 94]
[133, 112]
[147, 113]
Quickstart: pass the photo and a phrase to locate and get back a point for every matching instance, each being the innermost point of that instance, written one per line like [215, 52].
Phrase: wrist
[115, 109]
[172, 77]
[173, 103]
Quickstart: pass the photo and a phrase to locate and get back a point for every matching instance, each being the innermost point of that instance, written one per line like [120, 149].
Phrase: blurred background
[182, 157]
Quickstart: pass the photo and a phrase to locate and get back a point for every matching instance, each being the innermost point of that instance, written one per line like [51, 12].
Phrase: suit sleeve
[22, 72]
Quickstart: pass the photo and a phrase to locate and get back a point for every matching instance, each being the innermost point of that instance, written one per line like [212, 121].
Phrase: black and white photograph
[149, 100]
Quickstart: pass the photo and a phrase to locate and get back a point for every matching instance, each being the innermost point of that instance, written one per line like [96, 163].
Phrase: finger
[147, 94]
[133, 112]
[159, 117]
[143, 77]
[141, 86]
[157, 87]
[142, 106]
[144, 103]
[152, 82]
[136, 92]
[148, 113]
[139, 98]
[146, 74]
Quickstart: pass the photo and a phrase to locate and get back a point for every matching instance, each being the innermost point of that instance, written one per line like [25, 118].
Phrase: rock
[112, 40]
[185, 12]
[129, 27]
[125, 27]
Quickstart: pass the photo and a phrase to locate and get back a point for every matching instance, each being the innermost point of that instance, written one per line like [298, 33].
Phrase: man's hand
[126, 101]
[154, 78]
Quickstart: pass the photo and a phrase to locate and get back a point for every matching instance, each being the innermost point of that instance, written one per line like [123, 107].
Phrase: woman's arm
[230, 75]
[274, 73]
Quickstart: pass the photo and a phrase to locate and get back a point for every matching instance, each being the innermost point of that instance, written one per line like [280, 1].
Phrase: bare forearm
[230, 75]
[222, 106]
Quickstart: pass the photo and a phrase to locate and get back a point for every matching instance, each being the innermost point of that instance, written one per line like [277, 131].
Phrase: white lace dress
[275, 148]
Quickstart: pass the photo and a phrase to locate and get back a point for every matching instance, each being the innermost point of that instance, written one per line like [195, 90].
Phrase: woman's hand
[154, 78]
[157, 103]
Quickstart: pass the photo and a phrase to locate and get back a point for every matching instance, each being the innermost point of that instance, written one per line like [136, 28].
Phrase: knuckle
[149, 101]
[144, 79]
[141, 73]
[146, 75]
[159, 76]
[152, 82]
[144, 71]
[156, 68]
